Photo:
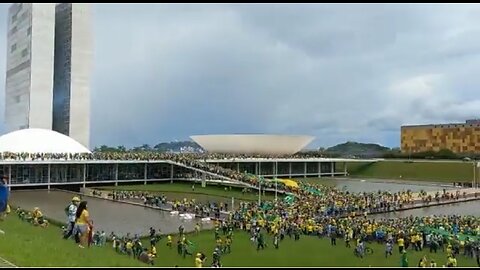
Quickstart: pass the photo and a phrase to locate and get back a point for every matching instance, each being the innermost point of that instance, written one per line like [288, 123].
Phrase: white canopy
[35, 140]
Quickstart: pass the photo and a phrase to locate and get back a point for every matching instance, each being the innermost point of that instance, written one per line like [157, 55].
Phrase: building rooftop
[468, 123]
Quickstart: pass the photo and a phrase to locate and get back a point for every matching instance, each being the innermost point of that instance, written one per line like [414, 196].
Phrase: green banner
[289, 199]
[444, 233]
[191, 247]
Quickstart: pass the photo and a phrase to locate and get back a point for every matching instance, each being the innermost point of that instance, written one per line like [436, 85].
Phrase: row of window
[15, 29]
[14, 47]
[22, 17]
[18, 68]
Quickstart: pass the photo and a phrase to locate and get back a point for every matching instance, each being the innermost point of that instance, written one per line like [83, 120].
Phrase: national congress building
[458, 137]
[49, 55]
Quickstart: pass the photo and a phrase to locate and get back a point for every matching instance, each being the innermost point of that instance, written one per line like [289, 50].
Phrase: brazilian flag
[261, 179]
[289, 199]
[267, 206]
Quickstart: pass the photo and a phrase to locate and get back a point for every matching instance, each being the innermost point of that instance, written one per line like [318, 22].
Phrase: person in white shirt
[71, 210]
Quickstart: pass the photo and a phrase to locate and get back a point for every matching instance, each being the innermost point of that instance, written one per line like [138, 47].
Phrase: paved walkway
[6, 264]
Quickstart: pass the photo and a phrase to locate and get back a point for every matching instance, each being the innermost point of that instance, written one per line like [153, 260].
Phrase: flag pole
[275, 178]
[259, 191]
[275, 189]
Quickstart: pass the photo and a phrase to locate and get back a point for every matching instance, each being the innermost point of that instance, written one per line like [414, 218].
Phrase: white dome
[35, 140]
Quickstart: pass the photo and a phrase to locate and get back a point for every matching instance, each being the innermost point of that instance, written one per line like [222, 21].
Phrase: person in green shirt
[404, 260]
[260, 242]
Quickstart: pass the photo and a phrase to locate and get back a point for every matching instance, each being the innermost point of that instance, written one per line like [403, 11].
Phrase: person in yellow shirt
[153, 251]
[129, 248]
[199, 259]
[37, 217]
[451, 261]
[219, 243]
[169, 241]
[413, 241]
[401, 245]
[449, 249]
[197, 229]
[423, 262]
[310, 229]
[83, 223]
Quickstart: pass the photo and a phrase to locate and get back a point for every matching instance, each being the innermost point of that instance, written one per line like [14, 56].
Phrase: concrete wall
[82, 58]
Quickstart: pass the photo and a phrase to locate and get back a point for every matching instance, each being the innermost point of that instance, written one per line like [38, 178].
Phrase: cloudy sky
[338, 72]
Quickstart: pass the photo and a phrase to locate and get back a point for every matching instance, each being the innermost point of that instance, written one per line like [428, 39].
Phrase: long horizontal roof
[445, 125]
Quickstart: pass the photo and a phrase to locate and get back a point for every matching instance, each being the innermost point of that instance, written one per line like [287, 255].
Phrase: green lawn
[26, 245]
[418, 171]
[181, 190]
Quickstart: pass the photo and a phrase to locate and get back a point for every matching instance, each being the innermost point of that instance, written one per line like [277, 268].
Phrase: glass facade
[248, 167]
[66, 173]
[283, 168]
[312, 167]
[131, 171]
[25, 174]
[158, 171]
[62, 68]
[100, 172]
[29, 174]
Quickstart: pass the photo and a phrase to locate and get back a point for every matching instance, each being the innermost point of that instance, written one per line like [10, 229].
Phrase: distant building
[49, 58]
[457, 137]
[30, 57]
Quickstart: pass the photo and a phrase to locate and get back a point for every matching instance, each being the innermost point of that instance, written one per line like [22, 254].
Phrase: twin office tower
[49, 56]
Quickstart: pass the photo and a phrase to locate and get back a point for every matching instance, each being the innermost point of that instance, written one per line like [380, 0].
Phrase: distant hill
[358, 149]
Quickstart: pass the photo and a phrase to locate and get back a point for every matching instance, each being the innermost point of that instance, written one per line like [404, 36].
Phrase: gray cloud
[338, 72]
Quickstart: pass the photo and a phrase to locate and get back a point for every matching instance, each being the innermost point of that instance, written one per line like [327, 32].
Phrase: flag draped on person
[4, 194]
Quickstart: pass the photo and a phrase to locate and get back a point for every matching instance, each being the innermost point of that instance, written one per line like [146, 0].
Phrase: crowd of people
[455, 235]
[325, 212]
[332, 213]
[133, 246]
[34, 217]
[207, 209]
[328, 201]
[145, 155]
